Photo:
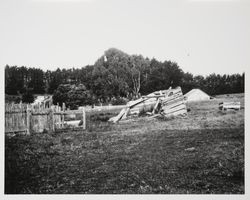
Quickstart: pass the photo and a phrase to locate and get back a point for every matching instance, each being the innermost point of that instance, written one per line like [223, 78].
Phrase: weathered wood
[229, 105]
[170, 106]
[118, 117]
[63, 110]
[172, 101]
[178, 112]
[16, 131]
[83, 119]
[155, 96]
[28, 120]
[174, 109]
[126, 113]
[15, 117]
[68, 112]
[37, 118]
[53, 119]
[156, 106]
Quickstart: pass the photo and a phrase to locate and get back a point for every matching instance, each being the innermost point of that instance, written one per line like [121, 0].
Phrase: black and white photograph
[124, 97]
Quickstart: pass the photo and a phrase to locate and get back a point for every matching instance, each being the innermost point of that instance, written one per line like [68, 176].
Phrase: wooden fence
[16, 118]
[38, 118]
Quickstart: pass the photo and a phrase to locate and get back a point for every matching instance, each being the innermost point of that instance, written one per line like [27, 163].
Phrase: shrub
[73, 96]
[119, 101]
[28, 97]
[12, 98]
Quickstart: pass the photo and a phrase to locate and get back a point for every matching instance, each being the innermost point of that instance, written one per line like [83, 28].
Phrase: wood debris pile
[229, 105]
[164, 102]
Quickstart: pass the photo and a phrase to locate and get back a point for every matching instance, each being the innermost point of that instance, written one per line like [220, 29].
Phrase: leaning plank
[125, 114]
[155, 96]
[156, 106]
[118, 117]
[136, 102]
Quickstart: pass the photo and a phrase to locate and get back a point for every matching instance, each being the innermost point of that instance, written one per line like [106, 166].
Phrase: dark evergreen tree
[27, 96]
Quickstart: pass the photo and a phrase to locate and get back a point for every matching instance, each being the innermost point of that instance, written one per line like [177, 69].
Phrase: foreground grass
[202, 153]
[156, 162]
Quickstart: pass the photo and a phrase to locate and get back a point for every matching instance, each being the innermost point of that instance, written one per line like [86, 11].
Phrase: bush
[73, 96]
[28, 97]
[12, 98]
[119, 101]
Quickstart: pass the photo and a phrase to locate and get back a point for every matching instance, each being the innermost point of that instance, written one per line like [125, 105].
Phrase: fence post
[52, 118]
[28, 112]
[63, 110]
[83, 118]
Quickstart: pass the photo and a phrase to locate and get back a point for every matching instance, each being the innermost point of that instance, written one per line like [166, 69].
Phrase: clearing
[197, 154]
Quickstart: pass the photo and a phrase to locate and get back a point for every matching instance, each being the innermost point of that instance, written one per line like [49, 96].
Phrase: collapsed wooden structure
[164, 102]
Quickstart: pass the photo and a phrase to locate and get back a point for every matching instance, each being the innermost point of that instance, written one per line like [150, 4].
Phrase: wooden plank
[173, 97]
[175, 109]
[83, 119]
[10, 112]
[231, 103]
[172, 100]
[28, 120]
[68, 112]
[156, 106]
[126, 113]
[179, 112]
[231, 107]
[53, 119]
[155, 96]
[16, 130]
[136, 103]
[180, 106]
[63, 110]
[168, 107]
[40, 113]
[118, 117]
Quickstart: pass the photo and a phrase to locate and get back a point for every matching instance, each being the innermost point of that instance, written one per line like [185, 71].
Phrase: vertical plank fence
[38, 118]
[16, 118]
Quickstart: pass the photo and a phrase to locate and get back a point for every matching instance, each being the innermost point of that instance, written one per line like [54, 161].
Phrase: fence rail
[38, 118]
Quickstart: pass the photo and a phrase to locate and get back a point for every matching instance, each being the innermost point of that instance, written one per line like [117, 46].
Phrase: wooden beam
[28, 119]
[83, 119]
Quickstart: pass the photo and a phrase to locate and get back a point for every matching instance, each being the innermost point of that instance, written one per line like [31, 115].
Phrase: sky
[201, 36]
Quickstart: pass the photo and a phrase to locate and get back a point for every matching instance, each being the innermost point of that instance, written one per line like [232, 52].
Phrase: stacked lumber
[165, 102]
[229, 105]
[174, 104]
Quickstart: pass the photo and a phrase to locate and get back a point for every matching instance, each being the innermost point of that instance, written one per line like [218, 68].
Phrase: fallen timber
[165, 102]
[229, 105]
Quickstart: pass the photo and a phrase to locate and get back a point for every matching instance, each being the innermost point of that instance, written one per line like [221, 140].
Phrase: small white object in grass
[73, 123]
[190, 149]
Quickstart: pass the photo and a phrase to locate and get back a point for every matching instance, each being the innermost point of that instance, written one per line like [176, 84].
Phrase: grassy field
[198, 154]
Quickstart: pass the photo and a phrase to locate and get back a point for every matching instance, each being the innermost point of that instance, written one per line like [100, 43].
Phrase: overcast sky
[202, 36]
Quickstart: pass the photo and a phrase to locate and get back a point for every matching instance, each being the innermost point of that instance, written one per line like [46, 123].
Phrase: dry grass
[201, 153]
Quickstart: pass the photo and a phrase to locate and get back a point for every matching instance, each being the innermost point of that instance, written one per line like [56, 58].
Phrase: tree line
[115, 75]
